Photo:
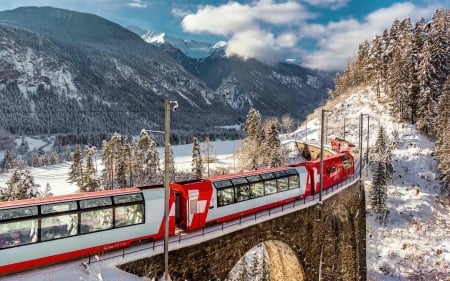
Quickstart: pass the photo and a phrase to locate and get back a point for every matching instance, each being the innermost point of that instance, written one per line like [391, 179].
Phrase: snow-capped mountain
[63, 71]
[190, 48]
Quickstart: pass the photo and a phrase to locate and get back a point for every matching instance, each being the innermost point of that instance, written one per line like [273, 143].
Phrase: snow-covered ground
[414, 241]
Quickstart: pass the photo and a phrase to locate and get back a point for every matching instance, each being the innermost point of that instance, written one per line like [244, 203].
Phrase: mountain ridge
[111, 79]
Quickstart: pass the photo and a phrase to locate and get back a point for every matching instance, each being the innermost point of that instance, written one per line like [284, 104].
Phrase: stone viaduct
[331, 245]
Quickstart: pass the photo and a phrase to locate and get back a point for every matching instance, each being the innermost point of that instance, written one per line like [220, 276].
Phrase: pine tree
[443, 136]
[381, 167]
[75, 170]
[207, 151]
[154, 169]
[250, 154]
[90, 182]
[196, 165]
[273, 146]
[287, 123]
[20, 185]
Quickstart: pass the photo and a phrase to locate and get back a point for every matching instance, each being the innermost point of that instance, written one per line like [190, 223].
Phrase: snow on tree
[395, 141]
[48, 191]
[382, 170]
[208, 155]
[250, 154]
[196, 165]
[90, 181]
[443, 136]
[75, 170]
[287, 123]
[23, 146]
[20, 185]
[272, 145]
[8, 161]
[110, 160]
[153, 168]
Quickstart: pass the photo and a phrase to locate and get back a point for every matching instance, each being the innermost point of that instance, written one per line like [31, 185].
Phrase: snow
[413, 243]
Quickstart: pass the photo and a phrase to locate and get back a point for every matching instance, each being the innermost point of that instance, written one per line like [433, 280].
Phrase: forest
[410, 63]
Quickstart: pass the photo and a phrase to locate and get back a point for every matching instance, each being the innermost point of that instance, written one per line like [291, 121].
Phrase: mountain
[190, 48]
[63, 71]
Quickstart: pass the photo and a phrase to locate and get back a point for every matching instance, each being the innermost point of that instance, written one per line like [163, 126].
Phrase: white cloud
[179, 12]
[337, 42]
[137, 4]
[249, 27]
[332, 4]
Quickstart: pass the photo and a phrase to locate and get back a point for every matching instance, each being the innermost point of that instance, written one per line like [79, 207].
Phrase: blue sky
[321, 34]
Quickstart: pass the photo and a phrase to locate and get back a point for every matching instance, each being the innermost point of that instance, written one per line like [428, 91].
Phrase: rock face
[337, 241]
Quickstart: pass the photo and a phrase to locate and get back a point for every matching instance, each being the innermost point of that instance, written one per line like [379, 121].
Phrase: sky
[321, 34]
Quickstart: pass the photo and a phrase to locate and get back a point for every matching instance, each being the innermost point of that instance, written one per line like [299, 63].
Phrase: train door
[192, 207]
[178, 214]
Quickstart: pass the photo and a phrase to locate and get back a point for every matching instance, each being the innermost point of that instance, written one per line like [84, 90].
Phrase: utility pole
[321, 162]
[166, 184]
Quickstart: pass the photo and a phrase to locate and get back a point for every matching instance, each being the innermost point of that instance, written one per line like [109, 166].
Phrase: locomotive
[43, 231]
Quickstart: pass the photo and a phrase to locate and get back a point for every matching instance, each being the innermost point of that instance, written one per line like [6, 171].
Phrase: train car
[336, 168]
[226, 197]
[38, 232]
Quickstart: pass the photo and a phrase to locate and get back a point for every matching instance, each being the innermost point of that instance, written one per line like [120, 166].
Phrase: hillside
[413, 240]
[69, 72]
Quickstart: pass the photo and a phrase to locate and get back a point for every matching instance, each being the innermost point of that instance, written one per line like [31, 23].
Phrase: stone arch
[271, 260]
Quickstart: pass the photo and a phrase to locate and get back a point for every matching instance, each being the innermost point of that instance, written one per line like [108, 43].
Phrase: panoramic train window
[254, 178]
[270, 187]
[58, 207]
[128, 198]
[58, 226]
[242, 193]
[293, 182]
[97, 220]
[225, 196]
[18, 233]
[238, 181]
[128, 215]
[18, 213]
[224, 183]
[257, 189]
[97, 202]
[282, 184]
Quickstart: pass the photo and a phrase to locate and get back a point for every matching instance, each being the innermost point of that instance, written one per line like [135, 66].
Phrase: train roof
[252, 172]
[69, 197]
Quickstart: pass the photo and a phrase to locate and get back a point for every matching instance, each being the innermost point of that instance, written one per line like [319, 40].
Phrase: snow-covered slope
[413, 243]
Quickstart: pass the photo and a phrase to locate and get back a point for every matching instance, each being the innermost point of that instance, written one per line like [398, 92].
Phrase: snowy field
[413, 242]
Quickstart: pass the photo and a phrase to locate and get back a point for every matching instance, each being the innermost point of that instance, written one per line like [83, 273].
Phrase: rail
[206, 233]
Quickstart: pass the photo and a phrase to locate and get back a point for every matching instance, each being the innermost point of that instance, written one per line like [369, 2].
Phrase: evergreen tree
[443, 136]
[287, 123]
[426, 105]
[23, 147]
[154, 169]
[381, 167]
[251, 152]
[20, 186]
[110, 158]
[208, 155]
[75, 170]
[8, 161]
[89, 182]
[196, 160]
[273, 146]
[122, 167]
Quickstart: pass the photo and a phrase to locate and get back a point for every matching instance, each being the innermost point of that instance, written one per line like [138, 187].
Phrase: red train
[37, 232]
